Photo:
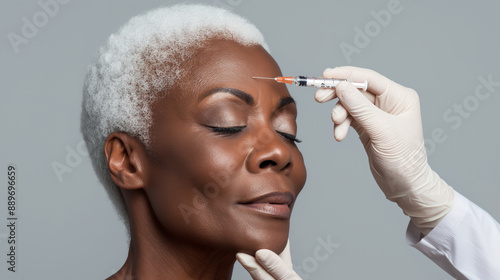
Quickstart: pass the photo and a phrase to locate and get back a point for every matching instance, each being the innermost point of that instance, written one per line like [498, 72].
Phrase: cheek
[188, 189]
[299, 173]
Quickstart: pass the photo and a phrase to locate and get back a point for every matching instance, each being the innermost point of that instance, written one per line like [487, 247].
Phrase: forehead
[224, 63]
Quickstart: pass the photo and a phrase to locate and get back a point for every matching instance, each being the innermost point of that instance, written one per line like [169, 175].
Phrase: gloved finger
[360, 108]
[275, 265]
[286, 256]
[340, 130]
[325, 94]
[377, 83]
[253, 267]
[390, 94]
[339, 113]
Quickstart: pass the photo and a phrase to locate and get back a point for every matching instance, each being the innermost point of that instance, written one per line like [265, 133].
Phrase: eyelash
[290, 137]
[227, 130]
[236, 129]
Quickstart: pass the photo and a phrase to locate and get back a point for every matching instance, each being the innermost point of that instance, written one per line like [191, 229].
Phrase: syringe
[304, 81]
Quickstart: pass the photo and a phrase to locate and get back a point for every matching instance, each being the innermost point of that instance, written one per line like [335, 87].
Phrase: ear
[126, 157]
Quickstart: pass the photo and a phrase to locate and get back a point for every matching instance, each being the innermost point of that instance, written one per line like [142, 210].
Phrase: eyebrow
[247, 98]
[285, 101]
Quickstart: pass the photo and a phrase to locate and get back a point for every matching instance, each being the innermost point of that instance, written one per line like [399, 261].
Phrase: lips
[275, 204]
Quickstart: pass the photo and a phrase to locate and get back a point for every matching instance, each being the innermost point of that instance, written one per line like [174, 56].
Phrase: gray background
[67, 227]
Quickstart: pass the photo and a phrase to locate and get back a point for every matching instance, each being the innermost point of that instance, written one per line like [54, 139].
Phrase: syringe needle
[266, 78]
[319, 82]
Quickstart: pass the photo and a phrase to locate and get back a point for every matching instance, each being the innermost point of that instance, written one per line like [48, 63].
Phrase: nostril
[287, 166]
[267, 163]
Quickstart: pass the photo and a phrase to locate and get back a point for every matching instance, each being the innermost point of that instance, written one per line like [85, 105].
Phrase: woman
[198, 157]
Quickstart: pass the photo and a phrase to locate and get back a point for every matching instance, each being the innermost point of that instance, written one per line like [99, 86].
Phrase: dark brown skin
[184, 194]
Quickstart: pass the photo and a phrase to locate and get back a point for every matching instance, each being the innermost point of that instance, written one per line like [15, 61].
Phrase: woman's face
[224, 170]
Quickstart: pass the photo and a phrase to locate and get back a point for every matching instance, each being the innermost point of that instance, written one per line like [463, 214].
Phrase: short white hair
[137, 64]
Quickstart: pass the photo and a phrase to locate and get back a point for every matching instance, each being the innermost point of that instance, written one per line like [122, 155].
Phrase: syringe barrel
[304, 81]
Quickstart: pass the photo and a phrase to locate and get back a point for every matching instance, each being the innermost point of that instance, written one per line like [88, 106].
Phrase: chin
[274, 241]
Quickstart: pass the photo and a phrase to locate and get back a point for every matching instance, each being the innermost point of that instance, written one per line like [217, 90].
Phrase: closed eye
[236, 129]
[227, 130]
[290, 137]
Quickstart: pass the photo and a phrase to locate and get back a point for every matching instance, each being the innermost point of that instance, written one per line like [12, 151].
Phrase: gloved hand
[268, 266]
[387, 120]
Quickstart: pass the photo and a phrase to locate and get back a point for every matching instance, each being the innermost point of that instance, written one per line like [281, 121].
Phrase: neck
[153, 254]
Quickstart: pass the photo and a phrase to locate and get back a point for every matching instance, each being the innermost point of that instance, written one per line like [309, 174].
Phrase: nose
[270, 152]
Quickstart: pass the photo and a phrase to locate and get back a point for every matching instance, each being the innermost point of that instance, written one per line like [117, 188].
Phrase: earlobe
[125, 156]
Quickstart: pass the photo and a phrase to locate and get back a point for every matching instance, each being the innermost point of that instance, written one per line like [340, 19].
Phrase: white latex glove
[387, 120]
[268, 266]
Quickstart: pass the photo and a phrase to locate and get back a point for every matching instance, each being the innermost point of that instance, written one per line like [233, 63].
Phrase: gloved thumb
[275, 265]
[359, 107]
